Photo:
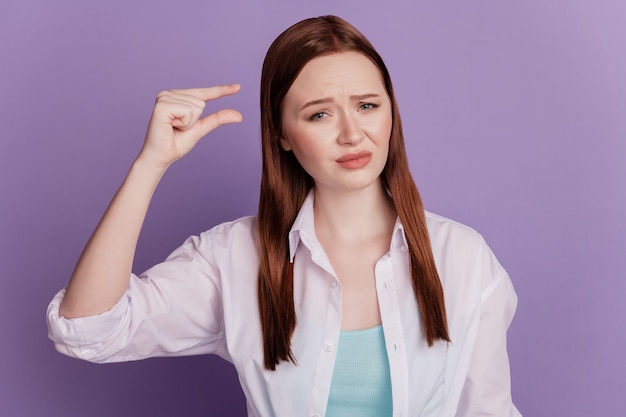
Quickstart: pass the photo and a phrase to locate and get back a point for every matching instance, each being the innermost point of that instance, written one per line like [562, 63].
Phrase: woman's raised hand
[104, 269]
[175, 126]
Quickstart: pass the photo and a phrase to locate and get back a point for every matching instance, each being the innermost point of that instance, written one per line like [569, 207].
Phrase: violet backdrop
[515, 119]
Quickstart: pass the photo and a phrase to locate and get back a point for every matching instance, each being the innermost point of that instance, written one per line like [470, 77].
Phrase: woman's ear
[284, 143]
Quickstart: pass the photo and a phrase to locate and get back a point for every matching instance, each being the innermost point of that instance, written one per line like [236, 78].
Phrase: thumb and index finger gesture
[176, 127]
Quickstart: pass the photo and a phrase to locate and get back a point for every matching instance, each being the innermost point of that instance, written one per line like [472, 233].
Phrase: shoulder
[246, 224]
[232, 235]
[225, 239]
[225, 248]
[463, 258]
[445, 232]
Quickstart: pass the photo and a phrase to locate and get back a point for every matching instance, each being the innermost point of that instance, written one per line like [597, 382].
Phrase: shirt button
[333, 284]
[403, 248]
[328, 347]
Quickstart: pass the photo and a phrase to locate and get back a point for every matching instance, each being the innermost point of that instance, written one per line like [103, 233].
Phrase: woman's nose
[350, 132]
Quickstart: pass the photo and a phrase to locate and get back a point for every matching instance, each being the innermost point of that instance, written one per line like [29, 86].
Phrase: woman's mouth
[355, 160]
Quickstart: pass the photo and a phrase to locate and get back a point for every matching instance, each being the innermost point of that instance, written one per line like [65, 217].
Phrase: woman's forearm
[103, 270]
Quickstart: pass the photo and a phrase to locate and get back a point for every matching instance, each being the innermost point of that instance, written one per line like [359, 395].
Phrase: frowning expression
[337, 121]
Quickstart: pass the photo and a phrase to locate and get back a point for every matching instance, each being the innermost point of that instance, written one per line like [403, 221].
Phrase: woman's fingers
[207, 93]
[184, 107]
[176, 124]
[219, 118]
[179, 110]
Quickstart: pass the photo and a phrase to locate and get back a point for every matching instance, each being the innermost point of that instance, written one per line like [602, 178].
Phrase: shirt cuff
[73, 337]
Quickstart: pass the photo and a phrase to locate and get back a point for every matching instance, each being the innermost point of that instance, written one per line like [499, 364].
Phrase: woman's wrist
[148, 169]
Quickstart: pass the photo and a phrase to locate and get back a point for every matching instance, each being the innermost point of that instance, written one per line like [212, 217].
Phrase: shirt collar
[303, 229]
[398, 237]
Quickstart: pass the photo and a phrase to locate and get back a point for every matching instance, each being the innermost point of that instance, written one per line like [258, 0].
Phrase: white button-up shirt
[203, 299]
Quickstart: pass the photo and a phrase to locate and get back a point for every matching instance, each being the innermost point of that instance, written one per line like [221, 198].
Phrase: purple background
[515, 117]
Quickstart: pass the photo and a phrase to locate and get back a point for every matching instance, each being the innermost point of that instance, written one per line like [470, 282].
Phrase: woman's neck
[354, 215]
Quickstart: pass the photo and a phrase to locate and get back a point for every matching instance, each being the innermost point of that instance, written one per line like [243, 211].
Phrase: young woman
[343, 297]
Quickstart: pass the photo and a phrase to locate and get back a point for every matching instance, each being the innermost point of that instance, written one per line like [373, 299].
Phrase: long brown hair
[285, 184]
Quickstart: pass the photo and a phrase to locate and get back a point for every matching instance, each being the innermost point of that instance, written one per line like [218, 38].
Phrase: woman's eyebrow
[329, 99]
[314, 102]
[364, 96]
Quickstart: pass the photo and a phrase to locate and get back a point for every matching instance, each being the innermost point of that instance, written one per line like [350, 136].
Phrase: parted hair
[285, 185]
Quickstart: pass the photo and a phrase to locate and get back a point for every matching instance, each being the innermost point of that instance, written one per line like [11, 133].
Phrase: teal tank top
[361, 383]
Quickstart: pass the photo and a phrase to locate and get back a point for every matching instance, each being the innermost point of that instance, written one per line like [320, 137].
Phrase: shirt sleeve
[173, 309]
[487, 388]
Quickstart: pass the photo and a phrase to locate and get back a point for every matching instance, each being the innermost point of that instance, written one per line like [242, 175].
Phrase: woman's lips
[355, 160]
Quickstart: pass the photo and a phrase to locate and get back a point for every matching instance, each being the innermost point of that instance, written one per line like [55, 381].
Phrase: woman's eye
[318, 115]
[367, 106]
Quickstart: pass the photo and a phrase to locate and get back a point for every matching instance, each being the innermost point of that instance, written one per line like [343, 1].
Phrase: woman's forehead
[344, 72]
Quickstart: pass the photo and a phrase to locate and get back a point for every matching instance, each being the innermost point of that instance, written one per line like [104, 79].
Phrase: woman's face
[337, 121]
